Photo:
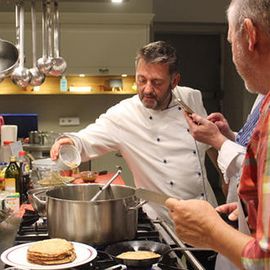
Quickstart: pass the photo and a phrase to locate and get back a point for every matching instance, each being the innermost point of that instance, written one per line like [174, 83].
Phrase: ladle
[21, 75]
[59, 64]
[37, 77]
[107, 184]
[44, 63]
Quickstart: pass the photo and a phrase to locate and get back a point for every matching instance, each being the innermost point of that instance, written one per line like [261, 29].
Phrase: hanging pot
[9, 57]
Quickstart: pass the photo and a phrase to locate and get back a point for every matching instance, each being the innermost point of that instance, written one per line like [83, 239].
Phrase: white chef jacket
[156, 145]
[230, 159]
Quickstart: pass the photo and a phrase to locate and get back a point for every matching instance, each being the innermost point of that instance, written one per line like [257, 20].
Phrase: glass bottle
[24, 165]
[3, 166]
[63, 84]
[12, 176]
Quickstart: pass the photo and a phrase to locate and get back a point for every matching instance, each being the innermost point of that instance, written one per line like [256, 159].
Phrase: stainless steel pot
[112, 218]
[34, 137]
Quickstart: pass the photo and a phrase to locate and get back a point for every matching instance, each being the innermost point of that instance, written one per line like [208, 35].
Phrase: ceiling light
[81, 75]
[117, 1]
[124, 75]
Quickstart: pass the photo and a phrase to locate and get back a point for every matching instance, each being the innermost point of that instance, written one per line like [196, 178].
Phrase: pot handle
[38, 199]
[140, 204]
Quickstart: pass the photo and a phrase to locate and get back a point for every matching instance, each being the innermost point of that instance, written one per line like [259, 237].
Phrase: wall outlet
[69, 121]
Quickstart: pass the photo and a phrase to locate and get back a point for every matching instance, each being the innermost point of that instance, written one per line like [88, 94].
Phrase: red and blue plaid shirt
[254, 190]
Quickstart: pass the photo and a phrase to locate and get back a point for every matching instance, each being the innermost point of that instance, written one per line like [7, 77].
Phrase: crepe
[138, 255]
[51, 251]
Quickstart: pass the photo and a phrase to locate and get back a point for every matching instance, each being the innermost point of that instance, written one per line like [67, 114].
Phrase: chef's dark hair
[159, 52]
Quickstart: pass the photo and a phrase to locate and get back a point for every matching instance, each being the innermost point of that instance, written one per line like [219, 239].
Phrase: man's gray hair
[256, 10]
[159, 52]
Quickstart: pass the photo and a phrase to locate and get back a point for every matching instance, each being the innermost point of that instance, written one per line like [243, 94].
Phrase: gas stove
[34, 228]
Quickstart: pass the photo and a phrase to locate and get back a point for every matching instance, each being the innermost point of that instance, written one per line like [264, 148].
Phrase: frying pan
[116, 249]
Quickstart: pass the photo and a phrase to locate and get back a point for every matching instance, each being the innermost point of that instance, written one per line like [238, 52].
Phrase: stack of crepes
[51, 251]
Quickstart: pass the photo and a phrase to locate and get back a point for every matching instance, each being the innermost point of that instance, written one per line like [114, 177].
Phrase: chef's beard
[157, 104]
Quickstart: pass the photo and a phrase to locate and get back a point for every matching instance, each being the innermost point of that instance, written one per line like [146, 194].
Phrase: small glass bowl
[88, 176]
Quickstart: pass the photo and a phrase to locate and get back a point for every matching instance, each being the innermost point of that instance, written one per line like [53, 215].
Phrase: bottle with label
[63, 84]
[3, 166]
[24, 165]
[12, 176]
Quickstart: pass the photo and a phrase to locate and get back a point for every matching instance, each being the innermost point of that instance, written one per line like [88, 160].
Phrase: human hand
[56, 146]
[204, 130]
[231, 209]
[221, 122]
[195, 221]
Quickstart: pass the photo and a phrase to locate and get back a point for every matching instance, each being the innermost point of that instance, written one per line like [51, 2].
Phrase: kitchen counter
[102, 179]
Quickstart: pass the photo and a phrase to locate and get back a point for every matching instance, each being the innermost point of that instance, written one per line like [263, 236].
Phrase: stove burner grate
[33, 228]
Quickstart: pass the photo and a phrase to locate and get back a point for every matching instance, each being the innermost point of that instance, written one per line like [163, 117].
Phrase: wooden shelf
[99, 84]
[57, 92]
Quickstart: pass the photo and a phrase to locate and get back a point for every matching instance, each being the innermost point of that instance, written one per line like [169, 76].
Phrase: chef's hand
[195, 221]
[204, 130]
[221, 122]
[231, 209]
[56, 146]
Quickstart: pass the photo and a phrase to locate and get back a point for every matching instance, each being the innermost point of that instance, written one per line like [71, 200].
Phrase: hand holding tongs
[107, 184]
[182, 104]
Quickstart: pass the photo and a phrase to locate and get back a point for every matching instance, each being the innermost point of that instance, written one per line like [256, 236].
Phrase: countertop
[102, 179]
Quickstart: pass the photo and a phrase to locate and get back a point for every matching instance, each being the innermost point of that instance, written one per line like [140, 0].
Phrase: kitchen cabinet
[104, 44]
[103, 51]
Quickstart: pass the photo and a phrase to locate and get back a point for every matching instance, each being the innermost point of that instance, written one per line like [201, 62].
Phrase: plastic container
[8, 133]
[63, 84]
[69, 157]
[41, 168]
[5, 152]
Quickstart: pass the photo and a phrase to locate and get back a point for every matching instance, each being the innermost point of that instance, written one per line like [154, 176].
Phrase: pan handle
[38, 199]
[186, 249]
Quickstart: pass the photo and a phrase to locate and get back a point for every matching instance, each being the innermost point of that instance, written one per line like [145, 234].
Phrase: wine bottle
[12, 176]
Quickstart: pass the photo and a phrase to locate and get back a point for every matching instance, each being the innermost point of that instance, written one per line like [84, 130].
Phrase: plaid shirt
[254, 191]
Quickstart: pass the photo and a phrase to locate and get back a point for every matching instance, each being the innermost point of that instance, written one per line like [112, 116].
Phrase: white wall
[50, 107]
[190, 10]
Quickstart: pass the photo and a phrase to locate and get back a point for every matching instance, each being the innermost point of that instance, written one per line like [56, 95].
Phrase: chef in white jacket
[150, 131]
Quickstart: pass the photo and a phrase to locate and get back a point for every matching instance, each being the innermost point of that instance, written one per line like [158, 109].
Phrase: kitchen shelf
[51, 86]
[57, 92]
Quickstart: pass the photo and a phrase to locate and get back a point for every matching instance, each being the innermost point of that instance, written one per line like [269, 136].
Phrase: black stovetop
[34, 228]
